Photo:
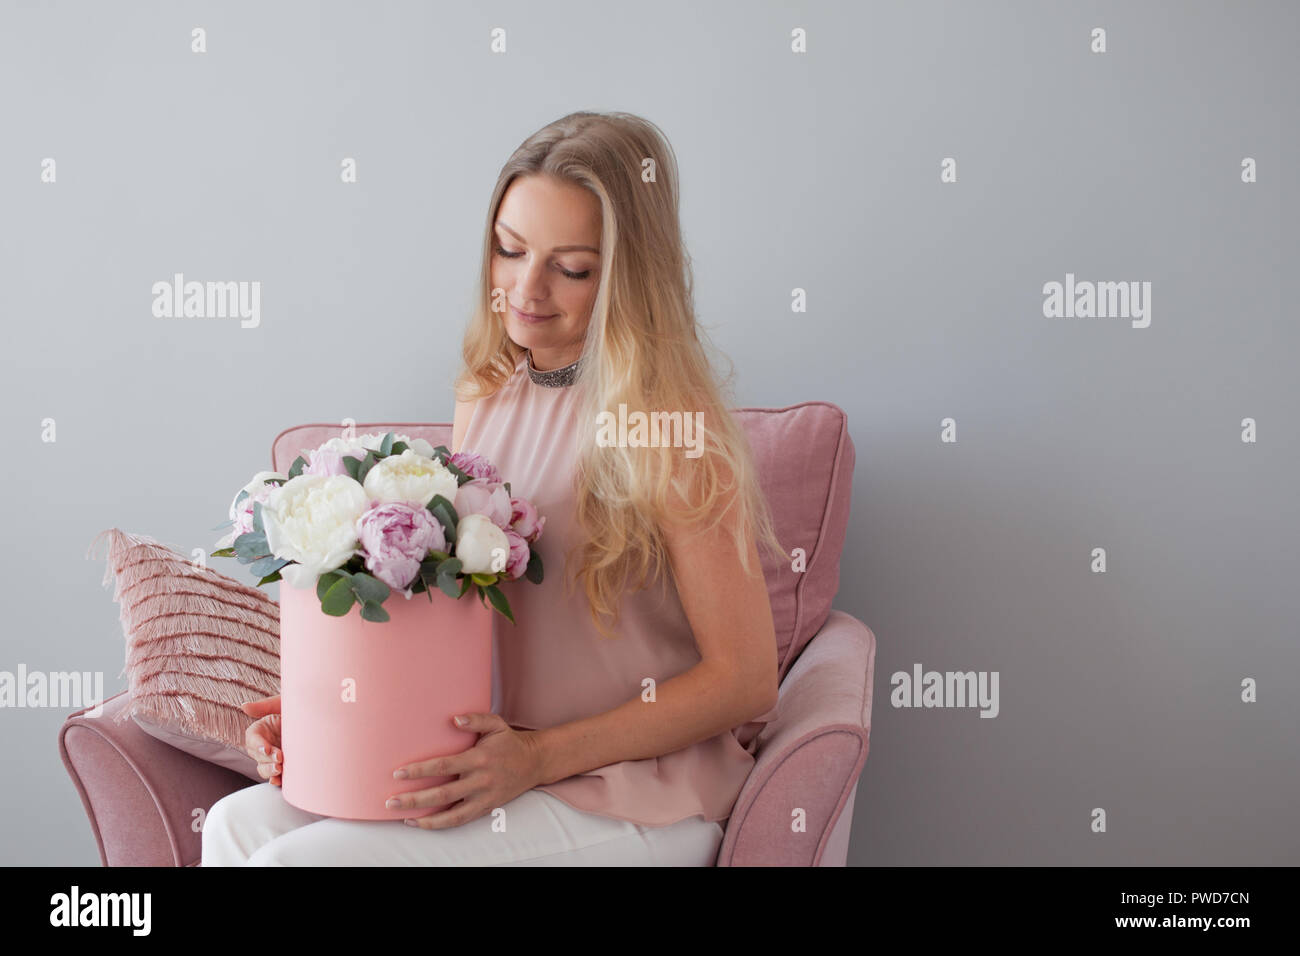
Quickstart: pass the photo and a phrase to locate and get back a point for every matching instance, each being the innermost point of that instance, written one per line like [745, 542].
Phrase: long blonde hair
[643, 348]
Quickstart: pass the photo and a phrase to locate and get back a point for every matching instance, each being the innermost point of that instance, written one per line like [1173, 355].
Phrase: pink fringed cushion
[198, 644]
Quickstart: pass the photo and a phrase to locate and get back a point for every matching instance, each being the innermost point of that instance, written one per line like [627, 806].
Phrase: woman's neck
[547, 360]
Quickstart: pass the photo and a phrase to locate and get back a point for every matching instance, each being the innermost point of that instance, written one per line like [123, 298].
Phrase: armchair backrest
[804, 457]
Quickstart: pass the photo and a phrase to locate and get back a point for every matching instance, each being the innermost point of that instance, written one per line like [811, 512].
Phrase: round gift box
[361, 698]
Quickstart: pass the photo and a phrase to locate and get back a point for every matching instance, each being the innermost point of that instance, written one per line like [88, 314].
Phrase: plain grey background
[817, 171]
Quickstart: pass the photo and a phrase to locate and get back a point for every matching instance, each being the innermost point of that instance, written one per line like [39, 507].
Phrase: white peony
[410, 478]
[312, 519]
[482, 547]
[343, 447]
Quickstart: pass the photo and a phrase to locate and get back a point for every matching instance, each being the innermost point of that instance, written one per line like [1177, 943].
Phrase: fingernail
[460, 721]
[410, 823]
[393, 803]
[400, 774]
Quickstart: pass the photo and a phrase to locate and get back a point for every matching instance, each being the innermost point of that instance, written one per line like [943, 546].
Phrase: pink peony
[487, 498]
[475, 465]
[396, 538]
[244, 511]
[524, 519]
[324, 461]
[517, 563]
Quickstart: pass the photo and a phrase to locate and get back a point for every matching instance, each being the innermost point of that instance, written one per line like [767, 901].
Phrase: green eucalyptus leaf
[251, 546]
[298, 465]
[366, 464]
[275, 576]
[325, 582]
[440, 501]
[223, 553]
[267, 565]
[386, 446]
[445, 512]
[534, 570]
[499, 602]
[447, 585]
[373, 611]
[338, 599]
[369, 589]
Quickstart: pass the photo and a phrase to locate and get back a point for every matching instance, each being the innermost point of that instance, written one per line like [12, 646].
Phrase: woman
[625, 709]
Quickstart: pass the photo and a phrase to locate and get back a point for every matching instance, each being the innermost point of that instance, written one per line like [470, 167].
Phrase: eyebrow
[502, 224]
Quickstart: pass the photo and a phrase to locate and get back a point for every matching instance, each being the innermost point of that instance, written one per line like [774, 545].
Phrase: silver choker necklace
[554, 378]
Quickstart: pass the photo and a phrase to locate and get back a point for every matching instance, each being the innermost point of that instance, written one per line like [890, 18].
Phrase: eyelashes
[515, 255]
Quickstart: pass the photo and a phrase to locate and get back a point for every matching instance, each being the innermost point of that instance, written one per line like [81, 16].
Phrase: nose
[530, 283]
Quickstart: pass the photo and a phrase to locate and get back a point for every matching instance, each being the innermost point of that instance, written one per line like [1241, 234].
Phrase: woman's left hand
[503, 764]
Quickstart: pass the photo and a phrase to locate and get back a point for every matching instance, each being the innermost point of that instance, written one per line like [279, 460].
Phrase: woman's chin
[526, 337]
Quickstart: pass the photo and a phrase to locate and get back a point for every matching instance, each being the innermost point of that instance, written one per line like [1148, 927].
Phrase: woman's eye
[515, 255]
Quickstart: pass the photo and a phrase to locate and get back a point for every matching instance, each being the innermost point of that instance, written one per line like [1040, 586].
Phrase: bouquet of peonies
[360, 518]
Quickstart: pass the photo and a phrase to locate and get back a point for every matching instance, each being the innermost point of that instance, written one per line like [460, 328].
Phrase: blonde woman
[627, 697]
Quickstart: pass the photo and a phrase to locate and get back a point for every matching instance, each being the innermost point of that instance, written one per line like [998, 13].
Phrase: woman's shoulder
[465, 408]
[472, 383]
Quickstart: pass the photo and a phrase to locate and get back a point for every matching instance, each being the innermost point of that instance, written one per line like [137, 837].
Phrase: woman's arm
[734, 682]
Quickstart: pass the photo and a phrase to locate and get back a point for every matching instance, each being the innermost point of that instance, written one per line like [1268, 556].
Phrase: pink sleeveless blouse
[554, 666]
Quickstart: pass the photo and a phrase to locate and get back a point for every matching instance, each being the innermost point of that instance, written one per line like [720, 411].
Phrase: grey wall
[1118, 690]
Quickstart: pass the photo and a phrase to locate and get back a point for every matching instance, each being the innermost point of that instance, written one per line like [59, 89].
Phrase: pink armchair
[144, 797]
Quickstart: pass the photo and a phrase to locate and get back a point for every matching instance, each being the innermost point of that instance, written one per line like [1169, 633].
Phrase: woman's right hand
[262, 739]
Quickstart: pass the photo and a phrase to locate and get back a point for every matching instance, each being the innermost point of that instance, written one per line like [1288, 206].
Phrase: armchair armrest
[811, 755]
[139, 793]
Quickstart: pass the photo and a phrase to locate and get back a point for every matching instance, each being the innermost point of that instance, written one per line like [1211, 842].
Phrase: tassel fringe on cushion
[198, 643]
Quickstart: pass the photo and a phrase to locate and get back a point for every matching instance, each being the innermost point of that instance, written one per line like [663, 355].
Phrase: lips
[530, 316]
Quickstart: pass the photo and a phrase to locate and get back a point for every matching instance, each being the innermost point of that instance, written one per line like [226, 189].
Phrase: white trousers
[256, 827]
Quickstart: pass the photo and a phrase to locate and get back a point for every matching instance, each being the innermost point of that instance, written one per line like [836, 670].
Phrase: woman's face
[546, 260]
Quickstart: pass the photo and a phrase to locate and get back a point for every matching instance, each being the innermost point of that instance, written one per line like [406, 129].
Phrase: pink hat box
[361, 698]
